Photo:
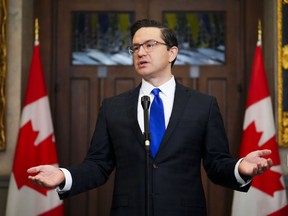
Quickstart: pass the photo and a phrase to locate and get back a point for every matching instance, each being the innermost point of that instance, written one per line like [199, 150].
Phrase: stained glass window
[201, 36]
[101, 38]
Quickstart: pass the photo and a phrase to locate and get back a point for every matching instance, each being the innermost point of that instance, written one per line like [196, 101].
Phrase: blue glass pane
[201, 36]
[101, 38]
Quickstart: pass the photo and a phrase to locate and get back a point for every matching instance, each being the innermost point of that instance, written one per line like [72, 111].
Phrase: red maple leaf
[28, 154]
[269, 182]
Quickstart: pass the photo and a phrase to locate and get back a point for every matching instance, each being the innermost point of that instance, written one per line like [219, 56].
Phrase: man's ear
[173, 51]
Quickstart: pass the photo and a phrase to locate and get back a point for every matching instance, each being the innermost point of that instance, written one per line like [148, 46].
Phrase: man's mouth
[142, 63]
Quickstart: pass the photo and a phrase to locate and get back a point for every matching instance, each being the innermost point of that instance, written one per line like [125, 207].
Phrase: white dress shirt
[167, 95]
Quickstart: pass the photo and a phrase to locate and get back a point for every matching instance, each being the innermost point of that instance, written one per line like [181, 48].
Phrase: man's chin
[144, 72]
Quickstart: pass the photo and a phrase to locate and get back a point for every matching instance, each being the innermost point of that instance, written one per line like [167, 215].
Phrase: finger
[33, 180]
[40, 183]
[34, 169]
[266, 163]
[36, 181]
[270, 162]
[259, 169]
[264, 152]
[255, 171]
[266, 166]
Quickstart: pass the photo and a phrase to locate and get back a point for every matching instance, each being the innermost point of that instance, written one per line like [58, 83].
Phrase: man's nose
[141, 50]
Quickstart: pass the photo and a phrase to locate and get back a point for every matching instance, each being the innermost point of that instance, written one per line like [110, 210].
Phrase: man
[194, 133]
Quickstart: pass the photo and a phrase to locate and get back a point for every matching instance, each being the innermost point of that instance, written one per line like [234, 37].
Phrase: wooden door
[220, 81]
[79, 94]
[77, 90]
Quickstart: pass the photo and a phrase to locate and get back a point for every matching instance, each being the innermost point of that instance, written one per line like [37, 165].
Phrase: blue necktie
[157, 122]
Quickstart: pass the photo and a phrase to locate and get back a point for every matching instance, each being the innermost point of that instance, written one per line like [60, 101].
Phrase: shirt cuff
[67, 184]
[239, 179]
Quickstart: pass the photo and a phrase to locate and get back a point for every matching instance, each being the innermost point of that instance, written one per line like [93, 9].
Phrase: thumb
[34, 169]
[264, 152]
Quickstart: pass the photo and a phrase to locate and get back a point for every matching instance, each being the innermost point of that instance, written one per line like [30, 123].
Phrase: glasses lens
[148, 46]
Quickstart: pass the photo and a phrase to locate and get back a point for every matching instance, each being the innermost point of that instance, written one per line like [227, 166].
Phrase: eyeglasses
[147, 45]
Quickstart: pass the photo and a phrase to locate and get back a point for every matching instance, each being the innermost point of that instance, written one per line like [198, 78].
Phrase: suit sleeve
[98, 163]
[217, 159]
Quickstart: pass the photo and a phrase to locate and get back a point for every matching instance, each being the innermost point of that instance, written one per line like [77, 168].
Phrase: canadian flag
[35, 145]
[267, 195]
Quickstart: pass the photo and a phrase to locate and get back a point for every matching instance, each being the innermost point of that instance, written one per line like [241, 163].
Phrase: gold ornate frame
[3, 72]
[282, 68]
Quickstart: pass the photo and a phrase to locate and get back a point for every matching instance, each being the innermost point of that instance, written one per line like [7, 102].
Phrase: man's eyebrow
[143, 42]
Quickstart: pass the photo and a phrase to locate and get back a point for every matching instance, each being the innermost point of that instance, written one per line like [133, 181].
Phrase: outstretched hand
[254, 163]
[47, 176]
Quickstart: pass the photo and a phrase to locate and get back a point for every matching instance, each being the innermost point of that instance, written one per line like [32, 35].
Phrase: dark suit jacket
[195, 134]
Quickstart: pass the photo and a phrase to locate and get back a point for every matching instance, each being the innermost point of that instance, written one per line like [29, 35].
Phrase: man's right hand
[47, 176]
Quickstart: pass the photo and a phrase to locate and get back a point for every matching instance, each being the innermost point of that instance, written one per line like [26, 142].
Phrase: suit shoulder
[196, 93]
[122, 97]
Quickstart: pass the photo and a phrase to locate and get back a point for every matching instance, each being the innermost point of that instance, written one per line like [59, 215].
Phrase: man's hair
[166, 33]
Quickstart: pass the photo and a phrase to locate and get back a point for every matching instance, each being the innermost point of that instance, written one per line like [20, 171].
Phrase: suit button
[155, 166]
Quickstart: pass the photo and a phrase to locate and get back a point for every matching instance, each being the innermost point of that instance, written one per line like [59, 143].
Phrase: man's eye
[135, 48]
[149, 44]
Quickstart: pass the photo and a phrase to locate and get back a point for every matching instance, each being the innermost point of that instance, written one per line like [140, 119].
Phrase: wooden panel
[182, 74]
[4, 186]
[85, 102]
[79, 89]
[218, 88]
[219, 200]
[123, 84]
[120, 79]
[79, 126]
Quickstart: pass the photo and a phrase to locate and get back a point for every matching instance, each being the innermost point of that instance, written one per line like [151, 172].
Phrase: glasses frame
[136, 47]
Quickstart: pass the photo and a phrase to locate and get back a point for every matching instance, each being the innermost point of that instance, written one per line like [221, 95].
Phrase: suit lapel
[132, 101]
[181, 97]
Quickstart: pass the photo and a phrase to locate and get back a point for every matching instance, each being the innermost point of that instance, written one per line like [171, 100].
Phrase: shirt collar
[167, 88]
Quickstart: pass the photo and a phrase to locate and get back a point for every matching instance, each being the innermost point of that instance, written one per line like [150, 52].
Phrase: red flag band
[35, 145]
[267, 195]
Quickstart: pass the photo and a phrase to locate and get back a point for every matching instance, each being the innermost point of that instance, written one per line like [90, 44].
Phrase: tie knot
[155, 91]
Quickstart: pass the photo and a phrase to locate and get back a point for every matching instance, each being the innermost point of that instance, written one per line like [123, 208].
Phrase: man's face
[153, 58]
